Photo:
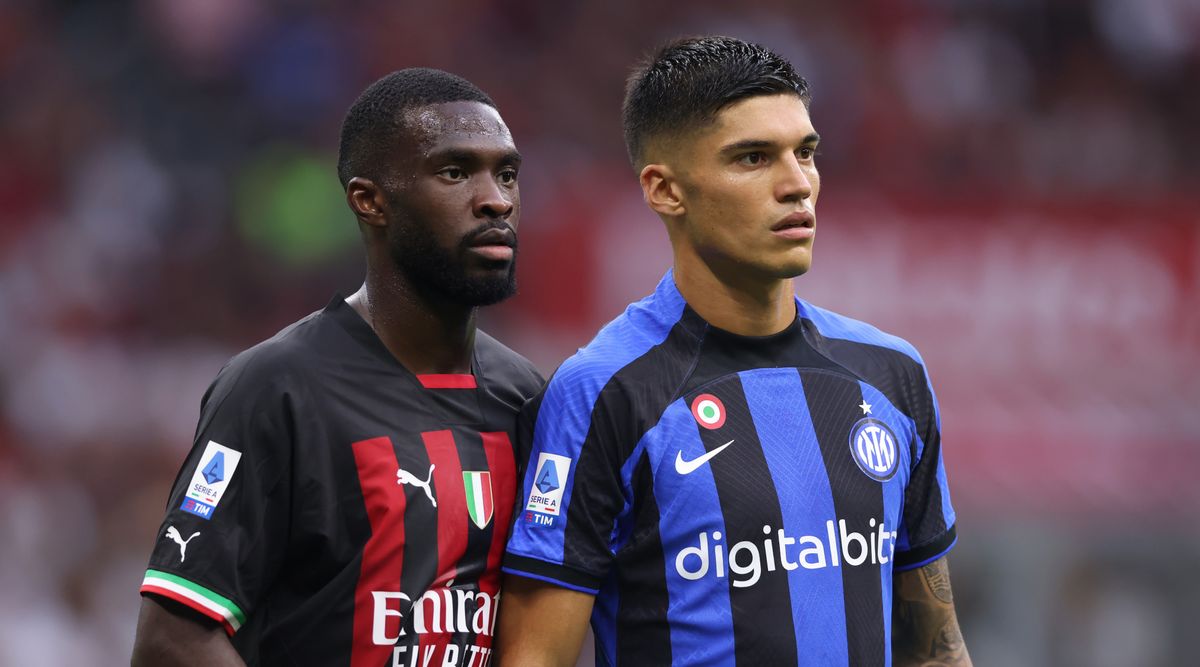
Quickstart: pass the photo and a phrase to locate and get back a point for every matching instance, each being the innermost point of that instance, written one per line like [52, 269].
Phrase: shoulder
[644, 325]
[273, 367]
[831, 325]
[259, 396]
[501, 365]
[887, 362]
[642, 328]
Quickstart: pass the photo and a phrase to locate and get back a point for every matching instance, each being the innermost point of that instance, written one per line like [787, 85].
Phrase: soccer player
[726, 474]
[352, 479]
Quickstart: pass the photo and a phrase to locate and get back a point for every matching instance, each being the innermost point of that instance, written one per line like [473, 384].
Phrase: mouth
[494, 236]
[796, 226]
[495, 243]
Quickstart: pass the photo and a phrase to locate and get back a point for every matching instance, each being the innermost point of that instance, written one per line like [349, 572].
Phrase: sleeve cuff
[559, 575]
[213, 605]
[926, 553]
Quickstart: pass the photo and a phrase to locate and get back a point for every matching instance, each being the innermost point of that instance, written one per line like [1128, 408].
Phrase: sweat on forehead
[372, 124]
[425, 125]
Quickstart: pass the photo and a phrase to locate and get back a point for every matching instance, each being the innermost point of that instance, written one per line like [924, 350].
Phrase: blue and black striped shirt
[733, 500]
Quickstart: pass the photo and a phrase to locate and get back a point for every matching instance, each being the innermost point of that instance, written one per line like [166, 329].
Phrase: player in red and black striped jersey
[351, 482]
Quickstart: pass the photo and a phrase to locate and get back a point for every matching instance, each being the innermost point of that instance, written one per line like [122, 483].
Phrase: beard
[443, 271]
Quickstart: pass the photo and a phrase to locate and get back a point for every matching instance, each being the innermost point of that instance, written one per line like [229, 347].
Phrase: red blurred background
[1008, 184]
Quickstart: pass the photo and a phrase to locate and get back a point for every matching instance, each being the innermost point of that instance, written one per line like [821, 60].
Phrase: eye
[507, 176]
[753, 159]
[807, 153]
[454, 173]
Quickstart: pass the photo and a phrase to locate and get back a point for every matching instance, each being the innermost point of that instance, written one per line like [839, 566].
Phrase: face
[747, 187]
[454, 205]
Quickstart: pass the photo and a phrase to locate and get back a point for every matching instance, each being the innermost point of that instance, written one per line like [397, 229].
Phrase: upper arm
[572, 446]
[528, 604]
[170, 634]
[227, 518]
[927, 526]
[924, 624]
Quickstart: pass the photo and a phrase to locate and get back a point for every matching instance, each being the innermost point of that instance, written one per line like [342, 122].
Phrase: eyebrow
[751, 144]
[511, 157]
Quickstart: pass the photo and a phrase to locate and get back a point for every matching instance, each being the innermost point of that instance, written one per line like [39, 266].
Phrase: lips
[496, 236]
[497, 244]
[798, 226]
[802, 219]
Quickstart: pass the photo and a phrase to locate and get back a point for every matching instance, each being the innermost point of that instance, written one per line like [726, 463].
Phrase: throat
[745, 306]
[424, 336]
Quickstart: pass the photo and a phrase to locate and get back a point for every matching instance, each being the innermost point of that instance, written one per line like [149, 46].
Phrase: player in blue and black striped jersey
[726, 474]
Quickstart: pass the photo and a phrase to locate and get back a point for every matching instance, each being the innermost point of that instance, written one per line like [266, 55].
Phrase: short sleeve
[927, 527]
[571, 442]
[227, 518]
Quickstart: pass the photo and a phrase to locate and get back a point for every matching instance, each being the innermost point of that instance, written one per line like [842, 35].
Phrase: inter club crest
[873, 448]
[479, 496]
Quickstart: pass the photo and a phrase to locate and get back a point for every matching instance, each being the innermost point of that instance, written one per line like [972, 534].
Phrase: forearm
[170, 635]
[529, 607]
[925, 630]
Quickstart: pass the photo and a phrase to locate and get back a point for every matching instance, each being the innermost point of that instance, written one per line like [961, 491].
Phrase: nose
[795, 183]
[494, 201]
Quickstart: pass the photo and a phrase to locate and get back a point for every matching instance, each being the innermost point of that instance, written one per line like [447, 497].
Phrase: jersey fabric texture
[733, 500]
[336, 509]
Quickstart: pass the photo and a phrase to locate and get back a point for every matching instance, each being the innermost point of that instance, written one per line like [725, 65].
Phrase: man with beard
[350, 485]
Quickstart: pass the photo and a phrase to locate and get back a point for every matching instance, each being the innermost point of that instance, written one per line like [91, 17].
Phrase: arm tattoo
[925, 628]
[937, 578]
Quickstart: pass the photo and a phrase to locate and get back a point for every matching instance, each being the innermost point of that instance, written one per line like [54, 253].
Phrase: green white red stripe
[478, 487]
[212, 605]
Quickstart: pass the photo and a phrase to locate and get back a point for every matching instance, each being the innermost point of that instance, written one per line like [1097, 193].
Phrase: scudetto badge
[873, 448]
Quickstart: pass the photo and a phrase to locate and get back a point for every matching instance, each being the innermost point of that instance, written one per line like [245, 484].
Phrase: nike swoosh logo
[684, 467]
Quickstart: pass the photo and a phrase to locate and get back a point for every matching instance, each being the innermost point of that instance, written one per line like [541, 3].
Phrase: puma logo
[173, 533]
[405, 477]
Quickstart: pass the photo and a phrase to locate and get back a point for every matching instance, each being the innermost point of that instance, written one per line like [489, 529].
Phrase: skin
[172, 635]
[521, 635]
[925, 630]
[720, 189]
[460, 167]
[720, 192]
[453, 173]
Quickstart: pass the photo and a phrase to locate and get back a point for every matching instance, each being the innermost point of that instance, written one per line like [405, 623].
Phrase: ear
[661, 190]
[367, 201]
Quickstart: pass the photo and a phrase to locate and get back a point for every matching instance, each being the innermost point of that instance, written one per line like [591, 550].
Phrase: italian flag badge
[709, 411]
[479, 496]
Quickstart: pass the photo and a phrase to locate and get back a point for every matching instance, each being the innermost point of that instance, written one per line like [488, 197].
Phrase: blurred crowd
[168, 197]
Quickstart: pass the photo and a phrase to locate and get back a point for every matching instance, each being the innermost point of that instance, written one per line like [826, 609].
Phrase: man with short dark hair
[727, 474]
[350, 486]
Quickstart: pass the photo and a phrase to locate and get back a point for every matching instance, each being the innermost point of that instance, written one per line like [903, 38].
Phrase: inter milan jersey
[733, 500]
[336, 509]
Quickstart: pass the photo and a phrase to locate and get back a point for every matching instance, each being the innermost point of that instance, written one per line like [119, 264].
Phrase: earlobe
[661, 190]
[366, 200]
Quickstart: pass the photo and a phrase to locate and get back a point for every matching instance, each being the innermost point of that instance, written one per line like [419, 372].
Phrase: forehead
[765, 117]
[456, 123]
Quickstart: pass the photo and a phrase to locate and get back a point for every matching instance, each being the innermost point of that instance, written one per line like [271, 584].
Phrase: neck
[424, 333]
[733, 300]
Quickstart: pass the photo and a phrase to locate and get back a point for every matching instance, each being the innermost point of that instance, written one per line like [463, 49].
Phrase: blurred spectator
[1010, 185]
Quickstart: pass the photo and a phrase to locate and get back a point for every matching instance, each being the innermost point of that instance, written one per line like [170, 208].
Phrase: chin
[799, 265]
[791, 269]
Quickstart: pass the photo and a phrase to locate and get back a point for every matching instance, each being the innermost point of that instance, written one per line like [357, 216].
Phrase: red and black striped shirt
[336, 509]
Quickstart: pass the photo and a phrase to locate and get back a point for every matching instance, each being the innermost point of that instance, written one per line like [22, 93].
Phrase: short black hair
[376, 118]
[689, 80]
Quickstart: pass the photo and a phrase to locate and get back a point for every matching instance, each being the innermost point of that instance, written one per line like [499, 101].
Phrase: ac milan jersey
[336, 509]
[733, 500]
